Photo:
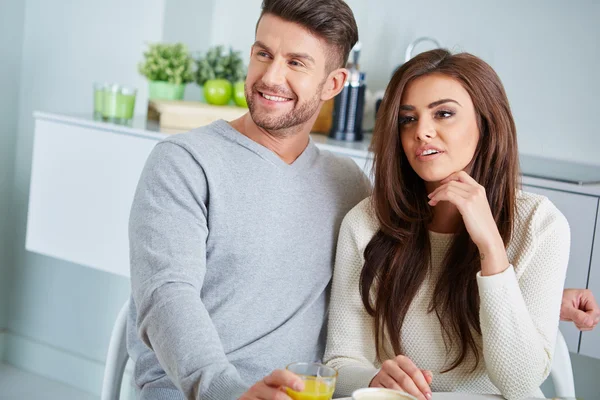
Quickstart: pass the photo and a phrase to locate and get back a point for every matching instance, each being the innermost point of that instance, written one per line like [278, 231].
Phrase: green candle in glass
[109, 109]
[125, 104]
[98, 100]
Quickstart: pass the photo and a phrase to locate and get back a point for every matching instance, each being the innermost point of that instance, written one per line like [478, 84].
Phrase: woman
[449, 278]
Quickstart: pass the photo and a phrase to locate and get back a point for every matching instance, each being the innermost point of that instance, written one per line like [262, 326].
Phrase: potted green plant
[218, 71]
[168, 68]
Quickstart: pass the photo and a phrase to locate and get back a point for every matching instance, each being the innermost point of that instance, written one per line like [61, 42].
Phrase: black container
[348, 111]
[356, 105]
[340, 108]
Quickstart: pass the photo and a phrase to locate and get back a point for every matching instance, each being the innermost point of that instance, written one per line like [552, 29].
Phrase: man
[233, 226]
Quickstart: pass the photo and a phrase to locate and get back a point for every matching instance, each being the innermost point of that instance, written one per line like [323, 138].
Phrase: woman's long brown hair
[398, 257]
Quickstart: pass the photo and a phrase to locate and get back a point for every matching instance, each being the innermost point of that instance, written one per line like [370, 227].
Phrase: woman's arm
[519, 311]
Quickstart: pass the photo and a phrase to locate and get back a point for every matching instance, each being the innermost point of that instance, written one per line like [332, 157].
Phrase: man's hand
[580, 307]
[273, 386]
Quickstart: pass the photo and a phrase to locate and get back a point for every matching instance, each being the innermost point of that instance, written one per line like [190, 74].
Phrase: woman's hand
[470, 199]
[402, 374]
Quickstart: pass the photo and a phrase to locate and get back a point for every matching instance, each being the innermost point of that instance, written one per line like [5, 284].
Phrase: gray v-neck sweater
[232, 253]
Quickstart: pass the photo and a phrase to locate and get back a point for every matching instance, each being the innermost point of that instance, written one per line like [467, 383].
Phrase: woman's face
[438, 126]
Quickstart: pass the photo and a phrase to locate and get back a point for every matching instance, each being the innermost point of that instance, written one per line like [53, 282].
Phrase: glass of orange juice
[319, 381]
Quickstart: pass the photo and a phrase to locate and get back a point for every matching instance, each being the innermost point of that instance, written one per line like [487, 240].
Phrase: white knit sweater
[519, 309]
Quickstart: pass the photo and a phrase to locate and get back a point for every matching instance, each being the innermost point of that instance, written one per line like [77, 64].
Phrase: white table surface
[464, 396]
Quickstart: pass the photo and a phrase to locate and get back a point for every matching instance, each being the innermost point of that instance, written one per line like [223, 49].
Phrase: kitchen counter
[534, 168]
[150, 129]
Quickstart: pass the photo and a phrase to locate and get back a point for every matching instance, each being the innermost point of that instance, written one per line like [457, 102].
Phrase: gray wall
[236, 30]
[11, 43]
[189, 22]
[62, 314]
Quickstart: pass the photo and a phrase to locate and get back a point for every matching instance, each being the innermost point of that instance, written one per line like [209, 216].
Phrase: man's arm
[167, 234]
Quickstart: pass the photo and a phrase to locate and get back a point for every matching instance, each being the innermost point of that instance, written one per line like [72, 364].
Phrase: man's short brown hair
[331, 20]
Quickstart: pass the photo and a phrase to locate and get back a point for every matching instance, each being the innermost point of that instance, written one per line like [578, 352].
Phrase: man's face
[286, 74]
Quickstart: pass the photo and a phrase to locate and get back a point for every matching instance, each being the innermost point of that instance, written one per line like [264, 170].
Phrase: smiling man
[234, 225]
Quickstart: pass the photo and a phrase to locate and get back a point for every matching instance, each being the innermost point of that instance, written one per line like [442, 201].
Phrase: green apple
[239, 95]
[217, 91]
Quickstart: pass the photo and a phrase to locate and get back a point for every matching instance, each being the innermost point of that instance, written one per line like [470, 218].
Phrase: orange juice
[313, 390]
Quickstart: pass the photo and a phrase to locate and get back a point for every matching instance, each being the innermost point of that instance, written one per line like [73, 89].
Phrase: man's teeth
[274, 98]
[428, 152]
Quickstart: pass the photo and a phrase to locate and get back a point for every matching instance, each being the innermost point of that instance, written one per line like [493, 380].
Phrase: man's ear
[334, 83]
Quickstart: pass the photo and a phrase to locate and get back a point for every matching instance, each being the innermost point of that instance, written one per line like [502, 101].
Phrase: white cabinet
[82, 185]
[590, 341]
[580, 211]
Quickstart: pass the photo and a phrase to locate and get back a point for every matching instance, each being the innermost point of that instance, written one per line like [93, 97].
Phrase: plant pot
[217, 91]
[160, 90]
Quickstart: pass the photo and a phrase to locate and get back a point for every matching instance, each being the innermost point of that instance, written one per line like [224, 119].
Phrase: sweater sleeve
[167, 234]
[519, 311]
[350, 339]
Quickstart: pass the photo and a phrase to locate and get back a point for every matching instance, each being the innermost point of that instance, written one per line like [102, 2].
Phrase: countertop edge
[349, 149]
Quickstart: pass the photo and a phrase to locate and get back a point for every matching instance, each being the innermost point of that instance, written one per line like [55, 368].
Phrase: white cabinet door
[82, 186]
[580, 211]
[590, 341]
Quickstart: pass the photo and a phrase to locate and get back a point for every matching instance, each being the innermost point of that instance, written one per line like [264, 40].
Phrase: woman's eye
[444, 114]
[407, 119]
